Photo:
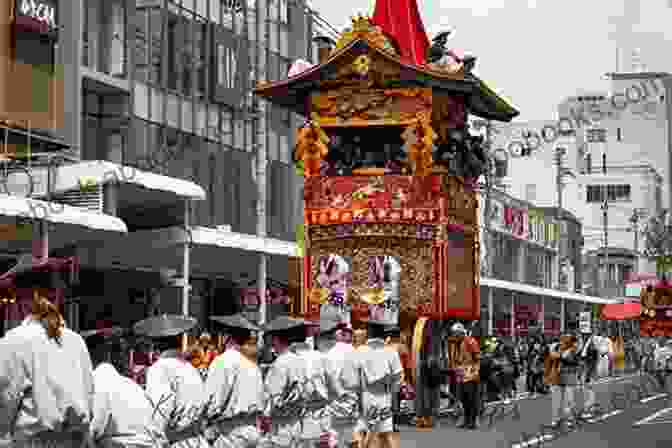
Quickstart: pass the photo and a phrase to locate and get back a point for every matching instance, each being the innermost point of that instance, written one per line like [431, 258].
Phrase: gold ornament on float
[311, 147]
[319, 295]
[373, 296]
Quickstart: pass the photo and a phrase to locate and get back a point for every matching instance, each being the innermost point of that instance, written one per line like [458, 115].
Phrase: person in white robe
[381, 375]
[122, 413]
[343, 371]
[235, 389]
[177, 393]
[46, 379]
[286, 383]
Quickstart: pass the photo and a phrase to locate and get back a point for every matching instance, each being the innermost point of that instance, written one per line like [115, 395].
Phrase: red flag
[400, 20]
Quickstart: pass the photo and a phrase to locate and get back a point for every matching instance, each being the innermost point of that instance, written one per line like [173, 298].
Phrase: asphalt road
[636, 421]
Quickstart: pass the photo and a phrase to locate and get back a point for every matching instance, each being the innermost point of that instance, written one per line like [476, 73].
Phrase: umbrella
[284, 323]
[104, 332]
[621, 311]
[164, 325]
[235, 321]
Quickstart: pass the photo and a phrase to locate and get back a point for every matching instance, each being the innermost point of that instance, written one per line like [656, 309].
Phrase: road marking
[654, 397]
[605, 416]
[653, 416]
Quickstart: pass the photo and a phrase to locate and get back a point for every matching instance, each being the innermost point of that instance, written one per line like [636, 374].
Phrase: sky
[535, 53]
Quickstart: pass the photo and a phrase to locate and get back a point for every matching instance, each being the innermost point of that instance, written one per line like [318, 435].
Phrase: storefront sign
[41, 11]
[516, 221]
[585, 322]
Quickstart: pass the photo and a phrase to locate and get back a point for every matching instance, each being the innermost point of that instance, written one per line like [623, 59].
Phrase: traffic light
[604, 163]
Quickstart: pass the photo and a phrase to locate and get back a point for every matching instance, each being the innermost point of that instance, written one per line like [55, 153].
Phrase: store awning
[535, 290]
[16, 207]
[69, 176]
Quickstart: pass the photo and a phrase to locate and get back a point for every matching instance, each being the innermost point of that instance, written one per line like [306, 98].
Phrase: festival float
[390, 168]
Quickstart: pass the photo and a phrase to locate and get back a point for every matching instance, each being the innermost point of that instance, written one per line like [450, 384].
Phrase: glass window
[200, 43]
[238, 130]
[175, 45]
[187, 116]
[215, 11]
[172, 111]
[187, 58]
[231, 62]
[527, 314]
[156, 99]
[202, 8]
[155, 134]
[141, 45]
[140, 100]
[501, 318]
[155, 26]
[552, 309]
[213, 132]
[284, 149]
[226, 126]
[201, 119]
[572, 310]
[283, 13]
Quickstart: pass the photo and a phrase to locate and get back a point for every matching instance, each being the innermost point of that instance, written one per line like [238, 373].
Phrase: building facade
[529, 260]
[165, 87]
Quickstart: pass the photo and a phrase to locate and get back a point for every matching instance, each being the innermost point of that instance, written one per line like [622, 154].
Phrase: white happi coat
[46, 389]
[316, 421]
[235, 387]
[177, 393]
[380, 375]
[286, 396]
[122, 414]
[343, 368]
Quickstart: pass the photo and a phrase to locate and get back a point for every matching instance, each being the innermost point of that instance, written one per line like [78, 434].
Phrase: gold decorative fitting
[319, 295]
[362, 28]
[373, 296]
[311, 147]
[362, 64]
[419, 139]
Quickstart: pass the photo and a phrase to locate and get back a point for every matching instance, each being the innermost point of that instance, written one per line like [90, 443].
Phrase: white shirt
[122, 412]
[42, 383]
[175, 384]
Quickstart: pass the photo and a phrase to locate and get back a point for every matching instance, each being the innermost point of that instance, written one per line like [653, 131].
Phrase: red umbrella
[621, 311]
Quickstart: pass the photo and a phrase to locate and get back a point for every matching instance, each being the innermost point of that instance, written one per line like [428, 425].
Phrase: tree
[658, 240]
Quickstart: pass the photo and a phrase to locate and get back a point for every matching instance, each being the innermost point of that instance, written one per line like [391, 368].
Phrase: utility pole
[259, 146]
[488, 241]
[605, 224]
[634, 220]
[560, 186]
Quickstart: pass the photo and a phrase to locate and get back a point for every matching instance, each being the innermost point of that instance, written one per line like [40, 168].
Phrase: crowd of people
[62, 388]
[315, 384]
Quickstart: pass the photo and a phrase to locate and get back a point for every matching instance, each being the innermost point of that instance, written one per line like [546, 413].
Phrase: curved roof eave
[293, 92]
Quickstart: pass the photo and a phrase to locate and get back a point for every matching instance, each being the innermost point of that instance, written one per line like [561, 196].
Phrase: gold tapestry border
[414, 257]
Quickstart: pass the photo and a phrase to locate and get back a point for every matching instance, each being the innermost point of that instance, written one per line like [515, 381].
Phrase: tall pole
[488, 242]
[259, 136]
[634, 220]
[605, 224]
[559, 186]
[185, 268]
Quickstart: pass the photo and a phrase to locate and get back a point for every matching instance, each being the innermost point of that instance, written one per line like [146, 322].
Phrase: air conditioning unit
[90, 199]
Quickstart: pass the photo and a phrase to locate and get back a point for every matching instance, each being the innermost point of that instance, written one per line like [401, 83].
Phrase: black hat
[236, 321]
[392, 331]
[36, 273]
[164, 326]
[284, 323]
[106, 333]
